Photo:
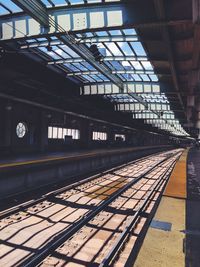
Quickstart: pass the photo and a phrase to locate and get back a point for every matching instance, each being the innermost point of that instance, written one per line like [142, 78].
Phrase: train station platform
[21, 175]
[71, 155]
[173, 238]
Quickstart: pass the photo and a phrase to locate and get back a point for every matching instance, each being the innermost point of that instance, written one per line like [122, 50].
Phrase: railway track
[85, 223]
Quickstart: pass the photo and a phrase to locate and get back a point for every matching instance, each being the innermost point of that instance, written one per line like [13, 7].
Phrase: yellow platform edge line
[80, 155]
[177, 184]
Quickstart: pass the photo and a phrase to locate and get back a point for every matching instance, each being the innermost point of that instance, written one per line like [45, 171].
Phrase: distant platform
[24, 174]
[60, 156]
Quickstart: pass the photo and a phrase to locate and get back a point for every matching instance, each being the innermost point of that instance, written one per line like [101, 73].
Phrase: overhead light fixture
[49, 47]
[96, 54]
[49, 116]
[8, 107]
[2, 52]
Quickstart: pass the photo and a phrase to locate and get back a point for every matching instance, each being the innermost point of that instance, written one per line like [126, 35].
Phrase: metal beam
[54, 109]
[78, 73]
[88, 40]
[107, 58]
[36, 9]
[84, 18]
[115, 38]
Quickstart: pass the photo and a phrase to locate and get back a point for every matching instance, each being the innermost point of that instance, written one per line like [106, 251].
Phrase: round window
[21, 129]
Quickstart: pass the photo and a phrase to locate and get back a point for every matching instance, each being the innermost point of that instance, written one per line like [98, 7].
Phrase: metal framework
[61, 37]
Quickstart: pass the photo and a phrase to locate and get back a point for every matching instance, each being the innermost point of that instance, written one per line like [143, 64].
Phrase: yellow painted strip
[80, 155]
[40, 160]
[177, 185]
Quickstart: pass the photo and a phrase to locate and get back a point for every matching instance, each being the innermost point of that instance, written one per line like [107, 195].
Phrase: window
[50, 129]
[21, 129]
[55, 133]
[59, 133]
[102, 136]
[120, 137]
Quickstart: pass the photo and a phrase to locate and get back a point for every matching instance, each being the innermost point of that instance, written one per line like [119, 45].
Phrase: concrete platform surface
[173, 238]
[161, 247]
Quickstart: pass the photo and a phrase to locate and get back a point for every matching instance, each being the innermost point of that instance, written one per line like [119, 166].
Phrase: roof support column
[194, 77]
[159, 6]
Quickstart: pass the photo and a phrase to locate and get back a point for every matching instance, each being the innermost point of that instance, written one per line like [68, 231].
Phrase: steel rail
[66, 234]
[28, 204]
[111, 256]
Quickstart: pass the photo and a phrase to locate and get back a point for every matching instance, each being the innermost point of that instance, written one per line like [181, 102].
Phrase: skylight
[123, 56]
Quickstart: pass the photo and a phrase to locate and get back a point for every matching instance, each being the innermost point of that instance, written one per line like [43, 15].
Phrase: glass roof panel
[126, 64]
[96, 78]
[75, 2]
[49, 53]
[103, 33]
[10, 5]
[59, 2]
[128, 77]
[3, 11]
[71, 67]
[126, 48]
[59, 52]
[88, 65]
[153, 78]
[80, 66]
[136, 65]
[114, 49]
[138, 48]
[121, 77]
[94, 1]
[147, 65]
[145, 77]
[129, 32]
[137, 78]
[117, 65]
[115, 32]
[103, 77]
[88, 78]
[104, 51]
[69, 51]
[46, 3]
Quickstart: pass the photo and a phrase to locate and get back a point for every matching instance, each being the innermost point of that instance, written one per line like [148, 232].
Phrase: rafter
[196, 21]
[148, 72]
[107, 58]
